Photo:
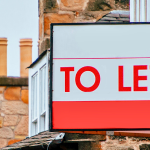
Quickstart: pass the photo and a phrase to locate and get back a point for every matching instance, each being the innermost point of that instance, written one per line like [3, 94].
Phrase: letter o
[97, 79]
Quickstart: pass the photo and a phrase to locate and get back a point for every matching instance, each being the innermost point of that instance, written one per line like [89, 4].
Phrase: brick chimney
[3, 56]
[25, 56]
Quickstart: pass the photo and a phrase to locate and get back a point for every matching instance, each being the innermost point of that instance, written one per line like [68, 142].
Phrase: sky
[18, 19]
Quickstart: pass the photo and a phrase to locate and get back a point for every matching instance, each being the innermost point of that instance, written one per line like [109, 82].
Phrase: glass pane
[42, 89]
[34, 96]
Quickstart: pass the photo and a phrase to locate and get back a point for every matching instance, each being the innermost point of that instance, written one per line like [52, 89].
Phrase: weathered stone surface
[1, 97]
[22, 127]
[84, 146]
[144, 147]
[20, 137]
[55, 18]
[3, 143]
[13, 81]
[41, 27]
[49, 5]
[0, 104]
[24, 88]
[90, 16]
[97, 5]
[96, 145]
[14, 107]
[76, 136]
[2, 88]
[73, 5]
[6, 133]
[12, 127]
[1, 122]
[13, 141]
[44, 45]
[24, 96]
[112, 137]
[122, 4]
[116, 147]
[12, 93]
[10, 120]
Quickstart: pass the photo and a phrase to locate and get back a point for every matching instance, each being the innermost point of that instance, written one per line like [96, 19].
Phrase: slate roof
[42, 139]
[116, 16]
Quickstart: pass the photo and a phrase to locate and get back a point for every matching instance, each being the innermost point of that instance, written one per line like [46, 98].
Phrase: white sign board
[101, 76]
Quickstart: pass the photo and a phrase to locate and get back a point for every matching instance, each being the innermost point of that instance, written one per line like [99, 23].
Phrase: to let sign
[100, 76]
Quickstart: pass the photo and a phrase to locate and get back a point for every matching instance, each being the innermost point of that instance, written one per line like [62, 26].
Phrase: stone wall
[68, 11]
[13, 110]
[125, 143]
[120, 140]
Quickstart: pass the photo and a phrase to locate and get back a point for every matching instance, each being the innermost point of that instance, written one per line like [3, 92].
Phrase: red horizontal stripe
[101, 114]
[107, 58]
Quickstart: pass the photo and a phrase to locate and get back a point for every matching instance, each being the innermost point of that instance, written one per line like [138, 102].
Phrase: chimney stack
[3, 56]
[25, 56]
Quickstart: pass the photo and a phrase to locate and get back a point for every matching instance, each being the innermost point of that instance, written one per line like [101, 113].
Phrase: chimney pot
[3, 56]
[25, 56]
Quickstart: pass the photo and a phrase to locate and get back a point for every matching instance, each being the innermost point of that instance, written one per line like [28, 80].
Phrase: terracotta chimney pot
[3, 56]
[25, 56]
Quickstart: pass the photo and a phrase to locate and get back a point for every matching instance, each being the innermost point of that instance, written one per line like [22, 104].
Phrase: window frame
[35, 125]
[139, 10]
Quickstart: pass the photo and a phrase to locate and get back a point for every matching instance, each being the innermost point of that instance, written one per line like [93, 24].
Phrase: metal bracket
[59, 138]
[109, 132]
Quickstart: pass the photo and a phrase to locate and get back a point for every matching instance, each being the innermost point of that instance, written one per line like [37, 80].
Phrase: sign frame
[51, 77]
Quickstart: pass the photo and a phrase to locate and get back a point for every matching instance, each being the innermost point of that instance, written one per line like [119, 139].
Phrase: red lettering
[121, 79]
[97, 79]
[67, 77]
[137, 77]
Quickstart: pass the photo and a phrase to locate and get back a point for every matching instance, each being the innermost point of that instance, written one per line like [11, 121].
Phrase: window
[42, 94]
[139, 10]
[38, 96]
[34, 103]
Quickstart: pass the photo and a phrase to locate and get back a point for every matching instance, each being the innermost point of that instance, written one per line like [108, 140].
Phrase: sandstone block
[1, 122]
[1, 97]
[6, 133]
[0, 105]
[40, 27]
[14, 107]
[95, 145]
[24, 88]
[97, 5]
[50, 5]
[22, 127]
[3, 143]
[12, 93]
[10, 120]
[24, 96]
[13, 141]
[20, 137]
[144, 147]
[12, 127]
[2, 88]
[73, 5]
[56, 18]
